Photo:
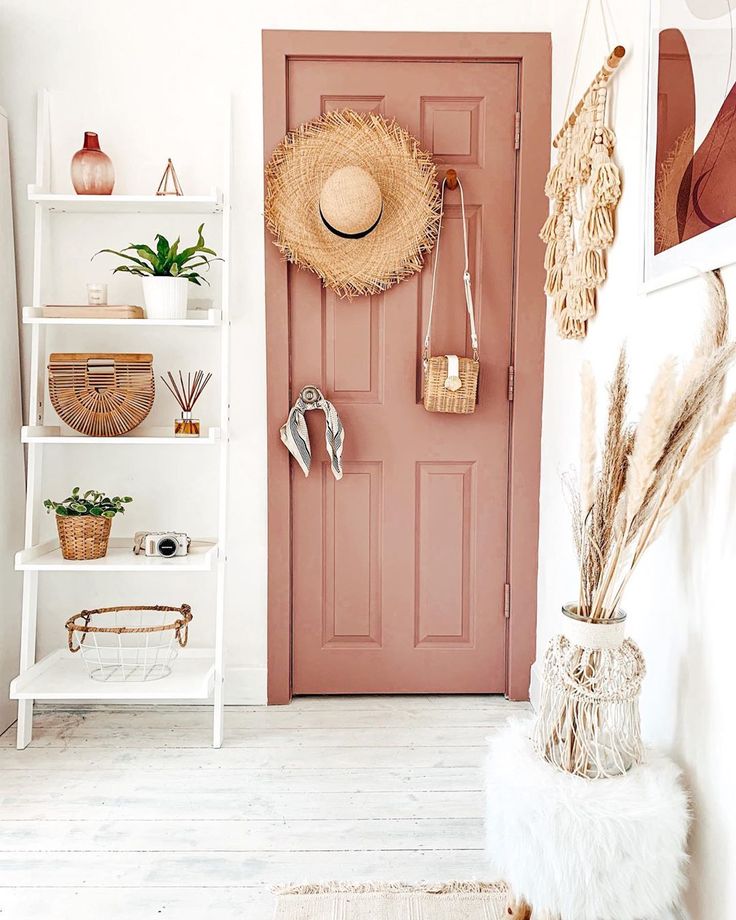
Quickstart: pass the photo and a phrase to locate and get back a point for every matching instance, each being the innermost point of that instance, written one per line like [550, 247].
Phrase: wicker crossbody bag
[451, 381]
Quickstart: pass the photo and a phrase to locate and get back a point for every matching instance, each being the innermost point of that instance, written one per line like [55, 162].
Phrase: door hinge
[517, 131]
[507, 601]
[511, 381]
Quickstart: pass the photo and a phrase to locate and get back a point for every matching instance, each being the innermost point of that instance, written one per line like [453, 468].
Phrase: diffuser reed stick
[186, 393]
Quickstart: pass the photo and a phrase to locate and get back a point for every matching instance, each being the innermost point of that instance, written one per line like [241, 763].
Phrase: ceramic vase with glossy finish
[92, 170]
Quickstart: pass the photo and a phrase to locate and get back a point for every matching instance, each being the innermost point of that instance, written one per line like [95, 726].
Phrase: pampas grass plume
[588, 450]
[646, 470]
[651, 435]
[704, 451]
[715, 328]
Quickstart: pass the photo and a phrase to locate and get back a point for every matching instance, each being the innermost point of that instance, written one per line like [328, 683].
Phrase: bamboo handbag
[451, 381]
[101, 395]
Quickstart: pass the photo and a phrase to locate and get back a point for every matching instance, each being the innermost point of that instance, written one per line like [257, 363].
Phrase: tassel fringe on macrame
[584, 188]
[588, 720]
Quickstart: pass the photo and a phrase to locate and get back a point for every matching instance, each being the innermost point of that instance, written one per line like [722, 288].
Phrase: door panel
[353, 349]
[445, 568]
[352, 542]
[398, 570]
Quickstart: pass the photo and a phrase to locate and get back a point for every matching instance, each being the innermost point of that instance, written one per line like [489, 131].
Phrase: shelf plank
[139, 437]
[63, 676]
[46, 557]
[130, 204]
[195, 319]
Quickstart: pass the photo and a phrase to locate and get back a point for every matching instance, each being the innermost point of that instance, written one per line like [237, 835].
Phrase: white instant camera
[162, 543]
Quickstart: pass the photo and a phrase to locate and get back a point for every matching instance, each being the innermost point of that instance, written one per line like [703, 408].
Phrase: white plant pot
[166, 298]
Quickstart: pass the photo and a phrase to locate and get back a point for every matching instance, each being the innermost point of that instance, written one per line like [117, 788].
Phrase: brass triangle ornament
[169, 176]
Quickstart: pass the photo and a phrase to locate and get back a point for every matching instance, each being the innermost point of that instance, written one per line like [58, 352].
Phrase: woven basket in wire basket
[134, 644]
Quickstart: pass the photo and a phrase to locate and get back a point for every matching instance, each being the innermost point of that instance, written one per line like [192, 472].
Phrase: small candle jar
[96, 294]
[186, 427]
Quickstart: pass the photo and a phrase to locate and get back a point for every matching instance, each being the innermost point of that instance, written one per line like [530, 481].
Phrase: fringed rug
[380, 901]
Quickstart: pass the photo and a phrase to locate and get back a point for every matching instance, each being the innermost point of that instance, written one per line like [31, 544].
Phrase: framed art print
[690, 203]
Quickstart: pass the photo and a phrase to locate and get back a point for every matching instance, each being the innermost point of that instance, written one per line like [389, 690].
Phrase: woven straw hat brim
[405, 175]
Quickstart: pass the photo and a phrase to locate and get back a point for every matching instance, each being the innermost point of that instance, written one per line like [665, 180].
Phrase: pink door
[399, 569]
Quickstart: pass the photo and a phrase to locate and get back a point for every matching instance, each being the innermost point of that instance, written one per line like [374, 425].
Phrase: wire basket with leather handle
[129, 643]
[101, 395]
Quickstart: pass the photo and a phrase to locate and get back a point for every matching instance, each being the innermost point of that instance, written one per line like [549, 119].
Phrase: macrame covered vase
[588, 721]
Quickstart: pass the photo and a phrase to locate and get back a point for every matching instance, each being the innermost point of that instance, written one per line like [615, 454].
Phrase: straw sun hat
[352, 198]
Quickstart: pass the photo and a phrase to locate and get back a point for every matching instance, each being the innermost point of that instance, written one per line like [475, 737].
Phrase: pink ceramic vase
[92, 172]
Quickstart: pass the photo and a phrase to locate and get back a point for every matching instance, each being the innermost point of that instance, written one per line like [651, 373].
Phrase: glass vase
[92, 170]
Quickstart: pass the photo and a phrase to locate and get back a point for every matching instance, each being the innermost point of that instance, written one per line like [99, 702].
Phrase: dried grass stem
[645, 470]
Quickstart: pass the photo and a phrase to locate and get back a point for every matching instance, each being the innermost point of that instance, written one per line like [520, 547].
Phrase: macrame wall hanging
[584, 188]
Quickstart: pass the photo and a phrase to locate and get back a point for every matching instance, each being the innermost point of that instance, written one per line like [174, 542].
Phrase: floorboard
[127, 812]
[241, 834]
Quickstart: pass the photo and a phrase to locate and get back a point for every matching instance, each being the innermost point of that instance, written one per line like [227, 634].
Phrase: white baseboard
[245, 687]
[535, 685]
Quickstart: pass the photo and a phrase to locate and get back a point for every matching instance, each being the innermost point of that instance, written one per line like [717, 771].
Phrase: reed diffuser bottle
[186, 393]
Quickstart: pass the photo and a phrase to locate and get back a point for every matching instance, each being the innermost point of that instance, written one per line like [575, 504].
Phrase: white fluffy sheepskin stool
[579, 849]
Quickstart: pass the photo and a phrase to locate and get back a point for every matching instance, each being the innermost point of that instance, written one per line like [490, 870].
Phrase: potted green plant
[166, 271]
[83, 521]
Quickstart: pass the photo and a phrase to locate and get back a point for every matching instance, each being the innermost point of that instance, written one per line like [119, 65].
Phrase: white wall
[153, 56]
[681, 602]
[12, 483]
[141, 75]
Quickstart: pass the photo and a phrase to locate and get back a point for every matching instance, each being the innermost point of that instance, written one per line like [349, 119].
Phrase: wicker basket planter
[83, 536]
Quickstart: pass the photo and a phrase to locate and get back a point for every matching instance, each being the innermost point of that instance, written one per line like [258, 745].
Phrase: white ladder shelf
[198, 673]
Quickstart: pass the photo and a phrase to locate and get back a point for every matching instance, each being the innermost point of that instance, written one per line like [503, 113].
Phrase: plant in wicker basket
[588, 720]
[83, 521]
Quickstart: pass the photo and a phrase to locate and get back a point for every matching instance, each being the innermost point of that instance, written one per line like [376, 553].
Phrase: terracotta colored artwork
[692, 138]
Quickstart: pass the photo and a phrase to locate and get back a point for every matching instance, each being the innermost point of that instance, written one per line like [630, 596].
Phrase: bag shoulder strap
[466, 274]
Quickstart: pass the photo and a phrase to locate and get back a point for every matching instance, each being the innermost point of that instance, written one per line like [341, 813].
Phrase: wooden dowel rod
[615, 57]
[612, 62]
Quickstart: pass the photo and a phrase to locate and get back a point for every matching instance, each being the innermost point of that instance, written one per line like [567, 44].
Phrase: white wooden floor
[126, 814]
